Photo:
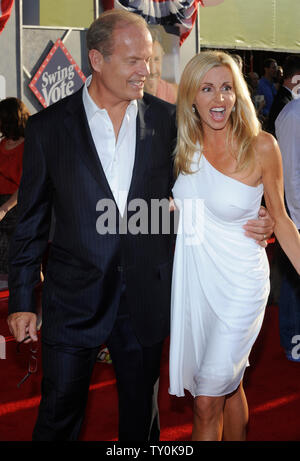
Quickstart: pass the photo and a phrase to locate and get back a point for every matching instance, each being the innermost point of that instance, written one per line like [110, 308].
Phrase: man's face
[272, 70]
[155, 68]
[122, 75]
[254, 79]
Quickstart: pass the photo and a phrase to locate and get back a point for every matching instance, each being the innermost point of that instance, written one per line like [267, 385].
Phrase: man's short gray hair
[99, 34]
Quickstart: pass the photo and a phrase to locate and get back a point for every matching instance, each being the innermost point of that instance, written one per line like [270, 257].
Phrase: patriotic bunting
[5, 11]
[165, 12]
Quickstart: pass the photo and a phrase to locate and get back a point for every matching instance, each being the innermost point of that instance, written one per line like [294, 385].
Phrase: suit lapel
[77, 126]
[287, 93]
[144, 131]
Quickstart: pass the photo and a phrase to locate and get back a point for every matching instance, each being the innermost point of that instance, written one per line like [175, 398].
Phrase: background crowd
[274, 97]
[271, 90]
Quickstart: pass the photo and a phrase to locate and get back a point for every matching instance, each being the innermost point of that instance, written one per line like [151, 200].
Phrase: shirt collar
[91, 107]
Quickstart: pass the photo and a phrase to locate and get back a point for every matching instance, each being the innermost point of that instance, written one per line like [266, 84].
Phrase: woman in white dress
[224, 164]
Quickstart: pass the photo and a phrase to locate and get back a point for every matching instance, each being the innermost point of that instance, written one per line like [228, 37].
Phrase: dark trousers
[7, 226]
[289, 305]
[66, 378]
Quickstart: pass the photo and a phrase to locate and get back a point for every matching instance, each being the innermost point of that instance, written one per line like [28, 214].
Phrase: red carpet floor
[271, 384]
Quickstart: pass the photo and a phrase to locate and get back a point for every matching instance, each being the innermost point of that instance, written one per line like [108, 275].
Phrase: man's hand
[172, 206]
[260, 229]
[23, 324]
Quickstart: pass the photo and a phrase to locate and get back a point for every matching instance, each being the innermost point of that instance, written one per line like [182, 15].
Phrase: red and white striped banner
[5, 11]
[165, 12]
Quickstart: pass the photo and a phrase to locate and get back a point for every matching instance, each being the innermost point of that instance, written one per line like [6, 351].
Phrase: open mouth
[217, 113]
[137, 84]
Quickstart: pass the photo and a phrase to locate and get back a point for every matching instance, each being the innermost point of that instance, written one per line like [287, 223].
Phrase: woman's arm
[272, 176]
[8, 205]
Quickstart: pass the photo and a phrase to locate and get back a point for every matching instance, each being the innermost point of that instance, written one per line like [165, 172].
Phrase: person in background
[291, 69]
[258, 100]
[285, 94]
[239, 60]
[288, 135]
[252, 79]
[279, 78]
[13, 118]
[266, 85]
[154, 84]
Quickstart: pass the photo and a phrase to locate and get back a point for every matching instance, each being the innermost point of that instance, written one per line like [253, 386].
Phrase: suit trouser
[289, 305]
[66, 377]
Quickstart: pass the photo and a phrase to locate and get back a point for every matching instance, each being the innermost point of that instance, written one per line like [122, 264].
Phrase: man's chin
[138, 94]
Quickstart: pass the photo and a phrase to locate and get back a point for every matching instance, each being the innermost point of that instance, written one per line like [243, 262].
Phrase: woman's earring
[193, 108]
[233, 109]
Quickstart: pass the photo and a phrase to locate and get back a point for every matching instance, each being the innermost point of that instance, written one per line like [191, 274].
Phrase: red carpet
[271, 384]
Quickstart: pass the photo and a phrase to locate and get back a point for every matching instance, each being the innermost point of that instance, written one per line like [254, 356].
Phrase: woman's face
[215, 98]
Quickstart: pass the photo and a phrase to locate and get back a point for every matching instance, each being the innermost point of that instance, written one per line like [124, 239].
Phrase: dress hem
[234, 388]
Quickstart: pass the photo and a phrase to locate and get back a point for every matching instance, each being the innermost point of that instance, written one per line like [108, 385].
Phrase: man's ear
[96, 60]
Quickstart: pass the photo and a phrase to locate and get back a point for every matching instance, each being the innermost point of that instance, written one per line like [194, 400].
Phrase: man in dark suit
[291, 68]
[106, 147]
[111, 288]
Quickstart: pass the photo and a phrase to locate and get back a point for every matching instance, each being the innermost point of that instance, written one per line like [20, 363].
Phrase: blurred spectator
[154, 84]
[13, 118]
[288, 134]
[252, 80]
[291, 69]
[279, 78]
[238, 60]
[266, 85]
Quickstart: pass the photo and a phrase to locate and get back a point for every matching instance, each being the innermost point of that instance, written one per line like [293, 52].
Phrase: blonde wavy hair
[244, 126]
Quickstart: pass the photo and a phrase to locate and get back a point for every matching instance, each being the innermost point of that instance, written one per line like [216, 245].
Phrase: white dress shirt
[116, 156]
[287, 128]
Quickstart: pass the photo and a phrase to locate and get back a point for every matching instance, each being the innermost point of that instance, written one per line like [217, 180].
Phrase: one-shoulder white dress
[220, 282]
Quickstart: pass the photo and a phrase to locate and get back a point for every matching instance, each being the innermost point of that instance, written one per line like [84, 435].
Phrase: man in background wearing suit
[107, 143]
[287, 132]
[291, 69]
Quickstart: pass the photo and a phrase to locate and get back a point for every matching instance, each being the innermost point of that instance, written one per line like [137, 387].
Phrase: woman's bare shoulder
[266, 146]
[265, 141]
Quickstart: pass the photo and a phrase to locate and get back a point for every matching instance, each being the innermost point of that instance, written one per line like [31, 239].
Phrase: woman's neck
[215, 141]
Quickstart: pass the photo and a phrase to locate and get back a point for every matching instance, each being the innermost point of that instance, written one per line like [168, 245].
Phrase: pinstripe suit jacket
[61, 169]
